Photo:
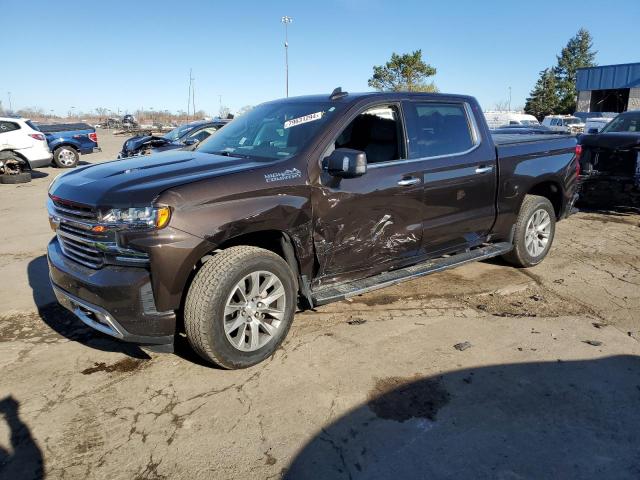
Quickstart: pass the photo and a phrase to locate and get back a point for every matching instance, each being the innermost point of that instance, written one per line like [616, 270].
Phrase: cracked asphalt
[546, 383]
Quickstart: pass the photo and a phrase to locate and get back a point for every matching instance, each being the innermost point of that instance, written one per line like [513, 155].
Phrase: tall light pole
[509, 98]
[286, 20]
[10, 107]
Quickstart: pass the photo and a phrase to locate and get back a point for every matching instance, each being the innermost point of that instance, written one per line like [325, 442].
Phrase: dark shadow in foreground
[64, 322]
[23, 461]
[574, 419]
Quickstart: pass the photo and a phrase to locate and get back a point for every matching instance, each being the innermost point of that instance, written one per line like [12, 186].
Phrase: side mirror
[191, 141]
[346, 163]
[592, 131]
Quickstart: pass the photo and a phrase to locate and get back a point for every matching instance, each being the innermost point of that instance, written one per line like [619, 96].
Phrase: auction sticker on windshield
[312, 117]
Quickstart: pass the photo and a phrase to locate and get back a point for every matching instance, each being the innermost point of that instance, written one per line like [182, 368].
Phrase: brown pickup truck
[300, 202]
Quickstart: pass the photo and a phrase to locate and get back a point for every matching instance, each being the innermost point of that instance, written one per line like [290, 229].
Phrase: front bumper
[117, 301]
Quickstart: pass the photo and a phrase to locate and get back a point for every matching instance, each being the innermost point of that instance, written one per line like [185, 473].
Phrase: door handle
[409, 181]
[484, 169]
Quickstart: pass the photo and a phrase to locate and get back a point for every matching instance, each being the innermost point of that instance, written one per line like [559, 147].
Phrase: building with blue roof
[609, 88]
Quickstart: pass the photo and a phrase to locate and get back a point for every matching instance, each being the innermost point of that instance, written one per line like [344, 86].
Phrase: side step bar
[334, 293]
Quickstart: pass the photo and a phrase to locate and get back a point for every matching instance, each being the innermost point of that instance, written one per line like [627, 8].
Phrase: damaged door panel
[369, 221]
[374, 220]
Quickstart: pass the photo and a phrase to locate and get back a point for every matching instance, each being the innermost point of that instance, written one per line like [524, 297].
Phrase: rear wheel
[534, 232]
[65, 157]
[240, 306]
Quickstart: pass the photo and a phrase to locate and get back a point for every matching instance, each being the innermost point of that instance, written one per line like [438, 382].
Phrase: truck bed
[510, 139]
[533, 146]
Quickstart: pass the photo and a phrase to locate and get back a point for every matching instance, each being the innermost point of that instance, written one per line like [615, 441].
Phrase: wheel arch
[552, 191]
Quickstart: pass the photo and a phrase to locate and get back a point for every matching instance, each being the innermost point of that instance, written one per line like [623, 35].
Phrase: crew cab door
[367, 224]
[459, 173]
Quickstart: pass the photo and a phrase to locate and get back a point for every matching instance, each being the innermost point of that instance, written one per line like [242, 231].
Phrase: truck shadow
[64, 322]
[23, 461]
[564, 419]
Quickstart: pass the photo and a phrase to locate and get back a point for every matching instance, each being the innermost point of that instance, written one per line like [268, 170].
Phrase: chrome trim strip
[75, 305]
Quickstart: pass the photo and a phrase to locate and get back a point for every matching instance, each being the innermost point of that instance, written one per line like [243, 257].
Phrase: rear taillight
[37, 136]
[578, 157]
[93, 137]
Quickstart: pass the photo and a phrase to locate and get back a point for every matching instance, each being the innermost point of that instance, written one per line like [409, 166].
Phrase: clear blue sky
[132, 54]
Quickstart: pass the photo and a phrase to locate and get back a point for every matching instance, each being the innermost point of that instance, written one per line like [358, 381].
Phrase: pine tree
[543, 99]
[577, 54]
[407, 72]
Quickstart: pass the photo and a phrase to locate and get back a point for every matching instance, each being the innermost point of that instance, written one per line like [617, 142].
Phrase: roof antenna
[337, 94]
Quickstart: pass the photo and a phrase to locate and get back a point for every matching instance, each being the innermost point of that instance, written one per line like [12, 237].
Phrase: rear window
[437, 129]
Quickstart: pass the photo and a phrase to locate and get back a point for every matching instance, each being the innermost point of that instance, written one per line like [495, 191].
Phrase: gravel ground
[485, 371]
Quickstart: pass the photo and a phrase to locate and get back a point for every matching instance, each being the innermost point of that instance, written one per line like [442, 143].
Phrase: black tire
[207, 296]
[520, 256]
[72, 157]
[22, 177]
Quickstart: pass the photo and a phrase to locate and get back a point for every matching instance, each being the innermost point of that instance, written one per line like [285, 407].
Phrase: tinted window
[438, 129]
[624, 123]
[8, 127]
[375, 132]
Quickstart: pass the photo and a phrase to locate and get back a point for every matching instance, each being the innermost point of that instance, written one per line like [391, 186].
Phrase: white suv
[564, 123]
[19, 138]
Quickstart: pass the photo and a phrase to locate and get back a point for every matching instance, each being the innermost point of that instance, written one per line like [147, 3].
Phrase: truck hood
[611, 141]
[138, 181]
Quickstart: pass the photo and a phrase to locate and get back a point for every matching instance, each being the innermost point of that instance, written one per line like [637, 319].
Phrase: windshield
[274, 130]
[623, 123]
[178, 132]
[529, 122]
[572, 121]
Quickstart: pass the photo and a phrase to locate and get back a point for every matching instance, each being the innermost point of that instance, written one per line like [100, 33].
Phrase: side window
[376, 132]
[8, 127]
[554, 122]
[202, 134]
[438, 129]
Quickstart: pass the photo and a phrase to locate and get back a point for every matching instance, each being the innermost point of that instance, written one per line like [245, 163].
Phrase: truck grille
[74, 234]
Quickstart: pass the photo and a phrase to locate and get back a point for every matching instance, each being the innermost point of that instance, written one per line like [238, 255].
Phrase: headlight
[137, 217]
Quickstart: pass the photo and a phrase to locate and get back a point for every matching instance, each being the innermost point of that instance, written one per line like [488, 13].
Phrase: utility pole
[189, 98]
[219, 105]
[10, 106]
[509, 98]
[193, 95]
[286, 20]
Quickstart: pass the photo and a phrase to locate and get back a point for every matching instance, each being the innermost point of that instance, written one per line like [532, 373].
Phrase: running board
[334, 293]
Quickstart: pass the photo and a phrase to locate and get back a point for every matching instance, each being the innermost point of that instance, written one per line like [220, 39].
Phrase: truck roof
[347, 97]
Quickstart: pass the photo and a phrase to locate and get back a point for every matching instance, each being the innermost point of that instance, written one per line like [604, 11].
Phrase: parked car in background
[564, 123]
[594, 125]
[610, 162]
[68, 141]
[185, 135]
[496, 119]
[22, 148]
[297, 203]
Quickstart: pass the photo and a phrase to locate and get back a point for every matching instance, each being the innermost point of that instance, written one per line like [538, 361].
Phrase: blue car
[68, 141]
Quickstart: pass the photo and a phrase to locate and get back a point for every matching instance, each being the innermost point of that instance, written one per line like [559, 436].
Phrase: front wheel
[240, 306]
[65, 157]
[534, 232]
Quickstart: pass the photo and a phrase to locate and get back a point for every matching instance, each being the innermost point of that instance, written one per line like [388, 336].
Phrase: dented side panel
[367, 222]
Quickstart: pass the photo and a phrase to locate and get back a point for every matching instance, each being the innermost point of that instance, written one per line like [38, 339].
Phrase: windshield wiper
[227, 153]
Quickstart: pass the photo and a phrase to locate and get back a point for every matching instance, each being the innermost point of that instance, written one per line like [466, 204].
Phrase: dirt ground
[485, 371]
